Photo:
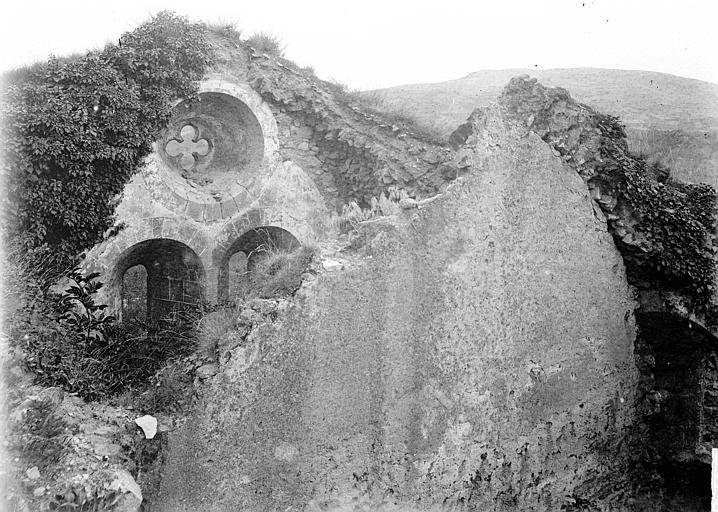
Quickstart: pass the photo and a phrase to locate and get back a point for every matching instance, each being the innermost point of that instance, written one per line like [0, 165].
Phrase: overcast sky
[379, 43]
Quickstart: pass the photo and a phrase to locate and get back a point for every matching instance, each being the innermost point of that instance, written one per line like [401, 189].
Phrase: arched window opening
[254, 245]
[174, 279]
[238, 275]
[134, 294]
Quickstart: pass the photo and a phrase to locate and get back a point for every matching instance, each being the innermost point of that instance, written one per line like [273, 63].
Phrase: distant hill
[669, 118]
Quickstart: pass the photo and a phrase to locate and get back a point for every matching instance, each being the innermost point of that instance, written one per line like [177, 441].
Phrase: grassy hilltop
[671, 118]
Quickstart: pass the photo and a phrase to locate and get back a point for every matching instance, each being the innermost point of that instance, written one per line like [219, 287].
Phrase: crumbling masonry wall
[677, 319]
[466, 356]
[351, 153]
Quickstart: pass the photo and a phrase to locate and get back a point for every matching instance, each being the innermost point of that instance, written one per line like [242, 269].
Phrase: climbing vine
[664, 229]
[76, 131]
[675, 219]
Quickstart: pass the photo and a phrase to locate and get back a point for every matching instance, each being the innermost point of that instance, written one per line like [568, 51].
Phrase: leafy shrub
[267, 43]
[76, 131]
[68, 341]
[128, 356]
[78, 309]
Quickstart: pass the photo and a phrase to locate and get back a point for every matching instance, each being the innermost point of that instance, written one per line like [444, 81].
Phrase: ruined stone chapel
[483, 349]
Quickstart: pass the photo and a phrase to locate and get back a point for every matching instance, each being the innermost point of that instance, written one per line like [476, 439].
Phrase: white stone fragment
[331, 265]
[148, 424]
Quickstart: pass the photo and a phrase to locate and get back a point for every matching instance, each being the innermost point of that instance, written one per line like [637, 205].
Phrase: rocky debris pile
[66, 452]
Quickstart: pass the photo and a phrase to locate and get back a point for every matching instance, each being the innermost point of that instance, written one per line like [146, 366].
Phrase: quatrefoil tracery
[189, 147]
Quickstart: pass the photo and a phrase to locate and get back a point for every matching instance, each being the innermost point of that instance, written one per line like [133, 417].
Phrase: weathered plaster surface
[475, 353]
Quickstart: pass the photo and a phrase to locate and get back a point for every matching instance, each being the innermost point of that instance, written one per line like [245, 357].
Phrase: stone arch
[105, 255]
[678, 360]
[249, 97]
[175, 275]
[232, 124]
[234, 229]
[255, 243]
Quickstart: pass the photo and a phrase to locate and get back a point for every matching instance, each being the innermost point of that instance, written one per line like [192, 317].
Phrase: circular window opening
[212, 145]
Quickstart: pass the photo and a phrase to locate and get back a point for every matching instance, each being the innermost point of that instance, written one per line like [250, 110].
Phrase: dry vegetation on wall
[267, 43]
[389, 203]
[695, 154]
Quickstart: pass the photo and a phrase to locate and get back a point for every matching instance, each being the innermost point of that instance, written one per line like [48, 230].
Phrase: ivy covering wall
[75, 132]
[676, 220]
[665, 229]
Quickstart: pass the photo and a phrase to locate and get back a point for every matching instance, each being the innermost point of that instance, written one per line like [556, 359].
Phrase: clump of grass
[371, 99]
[127, 357]
[227, 30]
[211, 328]
[278, 272]
[41, 436]
[309, 70]
[389, 203]
[267, 43]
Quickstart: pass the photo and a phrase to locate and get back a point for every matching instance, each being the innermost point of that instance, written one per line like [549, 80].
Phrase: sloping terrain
[670, 118]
